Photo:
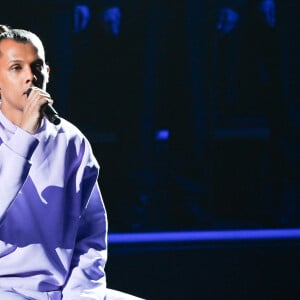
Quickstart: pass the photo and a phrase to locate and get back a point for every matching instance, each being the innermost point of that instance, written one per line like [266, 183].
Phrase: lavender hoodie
[53, 226]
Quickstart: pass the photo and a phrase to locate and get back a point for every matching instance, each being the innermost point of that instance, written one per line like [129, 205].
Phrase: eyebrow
[38, 60]
[16, 61]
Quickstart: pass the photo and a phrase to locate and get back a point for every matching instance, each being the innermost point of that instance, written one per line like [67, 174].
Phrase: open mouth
[27, 92]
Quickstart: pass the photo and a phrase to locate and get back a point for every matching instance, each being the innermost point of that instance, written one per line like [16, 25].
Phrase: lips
[27, 92]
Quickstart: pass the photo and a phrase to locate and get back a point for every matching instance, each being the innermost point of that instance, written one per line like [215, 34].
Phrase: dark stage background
[194, 130]
[184, 140]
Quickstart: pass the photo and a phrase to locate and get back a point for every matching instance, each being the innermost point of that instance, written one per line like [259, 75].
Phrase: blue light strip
[203, 236]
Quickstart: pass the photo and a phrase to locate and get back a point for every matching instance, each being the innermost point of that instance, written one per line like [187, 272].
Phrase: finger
[36, 92]
[50, 101]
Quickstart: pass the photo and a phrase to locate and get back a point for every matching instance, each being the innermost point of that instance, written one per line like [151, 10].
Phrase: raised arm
[15, 156]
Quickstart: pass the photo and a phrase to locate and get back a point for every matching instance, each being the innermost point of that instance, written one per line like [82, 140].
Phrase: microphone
[48, 111]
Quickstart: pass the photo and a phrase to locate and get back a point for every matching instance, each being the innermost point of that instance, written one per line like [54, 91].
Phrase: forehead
[11, 49]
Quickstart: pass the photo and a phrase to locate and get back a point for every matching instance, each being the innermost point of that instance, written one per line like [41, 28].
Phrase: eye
[38, 66]
[16, 67]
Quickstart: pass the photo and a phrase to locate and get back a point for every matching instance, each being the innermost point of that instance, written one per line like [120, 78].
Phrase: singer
[53, 221]
[53, 224]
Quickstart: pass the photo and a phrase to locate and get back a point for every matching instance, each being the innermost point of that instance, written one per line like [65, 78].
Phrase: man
[53, 225]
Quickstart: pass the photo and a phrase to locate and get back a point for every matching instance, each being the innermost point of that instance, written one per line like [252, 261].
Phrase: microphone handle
[51, 114]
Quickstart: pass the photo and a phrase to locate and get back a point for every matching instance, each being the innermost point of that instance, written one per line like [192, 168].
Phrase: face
[22, 65]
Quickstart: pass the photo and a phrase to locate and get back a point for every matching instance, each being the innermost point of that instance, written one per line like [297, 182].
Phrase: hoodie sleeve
[87, 279]
[15, 163]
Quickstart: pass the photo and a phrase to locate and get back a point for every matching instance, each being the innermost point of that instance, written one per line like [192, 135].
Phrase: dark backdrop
[167, 161]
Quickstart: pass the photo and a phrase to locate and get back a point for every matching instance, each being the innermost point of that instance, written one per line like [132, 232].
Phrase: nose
[30, 76]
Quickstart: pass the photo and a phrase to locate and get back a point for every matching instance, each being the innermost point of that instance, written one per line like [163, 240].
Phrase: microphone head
[54, 119]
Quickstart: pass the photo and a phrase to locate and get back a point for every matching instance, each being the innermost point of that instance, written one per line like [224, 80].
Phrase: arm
[15, 155]
[87, 278]
[16, 151]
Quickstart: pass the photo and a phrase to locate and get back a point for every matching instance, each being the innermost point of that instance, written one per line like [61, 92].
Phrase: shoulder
[69, 138]
[67, 132]
[70, 129]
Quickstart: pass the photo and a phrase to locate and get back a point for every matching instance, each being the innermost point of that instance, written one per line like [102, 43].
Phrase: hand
[227, 21]
[32, 115]
[111, 19]
[268, 10]
[82, 16]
